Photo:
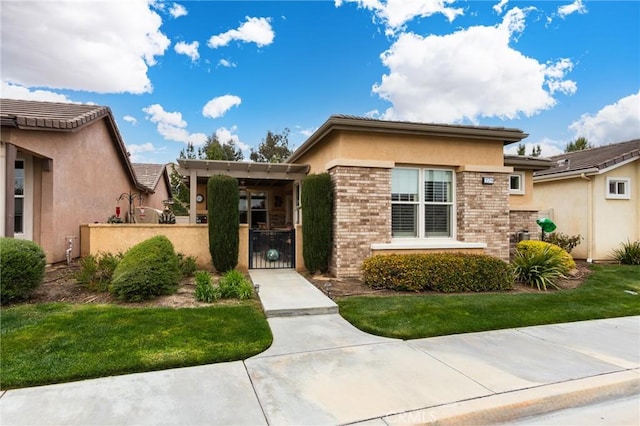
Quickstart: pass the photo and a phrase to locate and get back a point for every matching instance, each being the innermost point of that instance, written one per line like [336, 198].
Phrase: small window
[19, 181]
[619, 188]
[516, 183]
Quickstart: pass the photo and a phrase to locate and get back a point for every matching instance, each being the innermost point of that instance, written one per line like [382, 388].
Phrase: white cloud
[548, 147]
[15, 91]
[178, 10]
[469, 74]
[498, 8]
[171, 126]
[576, 7]
[217, 107]
[138, 153]
[617, 122]
[254, 30]
[395, 13]
[225, 136]
[103, 47]
[227, 64]
[188, 49]
[130, 119]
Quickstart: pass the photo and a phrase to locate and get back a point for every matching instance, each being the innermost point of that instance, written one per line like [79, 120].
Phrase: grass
[53, 343]
[607, 292]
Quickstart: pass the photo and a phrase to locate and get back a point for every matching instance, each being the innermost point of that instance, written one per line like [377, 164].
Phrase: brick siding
[522, 220]
[483, 211]
[361, 216]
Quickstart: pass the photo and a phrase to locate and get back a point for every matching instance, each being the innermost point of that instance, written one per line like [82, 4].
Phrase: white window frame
[27, 199]
[421, 206]
[626, 184]
[520, 190]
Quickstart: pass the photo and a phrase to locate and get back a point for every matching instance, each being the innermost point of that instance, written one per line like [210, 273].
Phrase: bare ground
[61, 286]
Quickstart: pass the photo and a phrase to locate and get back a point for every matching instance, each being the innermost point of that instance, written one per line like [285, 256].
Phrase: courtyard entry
[272, 249]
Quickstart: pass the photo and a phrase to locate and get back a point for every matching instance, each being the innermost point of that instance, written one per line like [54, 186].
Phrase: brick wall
[520, 220]
[362, 216]
[483, 211]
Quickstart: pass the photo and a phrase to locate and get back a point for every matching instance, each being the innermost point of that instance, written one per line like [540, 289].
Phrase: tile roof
[148, 174]
[49, 115]
[593, 159]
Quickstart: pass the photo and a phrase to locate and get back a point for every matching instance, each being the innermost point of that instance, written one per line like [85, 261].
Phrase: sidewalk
[320, 370]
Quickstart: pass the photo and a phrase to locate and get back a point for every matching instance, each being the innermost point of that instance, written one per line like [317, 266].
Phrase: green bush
[317, 216]
[149, 269]
[563, 241]
[96, 271]
[234, 284]
[628, 253]
[22, 265]
[223, 198]
[539, 268]
[442, 272]
[205, 291]
[537, 247]
[187, 265]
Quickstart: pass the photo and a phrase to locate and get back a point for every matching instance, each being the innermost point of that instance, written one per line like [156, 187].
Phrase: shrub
[187, 265]
[149, 269]
[205, 291]
[628, 253]
[96, 271]
[539, 246]
[233, 284]
[22, 265]
[539, 268]
[317, 216]
[563, 241]
[443, 272]
[223, 198]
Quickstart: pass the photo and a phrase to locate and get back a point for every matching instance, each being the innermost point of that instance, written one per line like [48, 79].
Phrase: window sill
[428, 244]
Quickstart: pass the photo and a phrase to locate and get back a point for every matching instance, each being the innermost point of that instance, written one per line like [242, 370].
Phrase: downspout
[590, 230]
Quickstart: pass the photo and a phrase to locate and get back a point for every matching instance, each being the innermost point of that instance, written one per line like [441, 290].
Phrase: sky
[178, 72]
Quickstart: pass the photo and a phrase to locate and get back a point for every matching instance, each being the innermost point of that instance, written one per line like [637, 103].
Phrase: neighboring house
[61, 165]
[156, 178]
[399, 187]
[594, 193]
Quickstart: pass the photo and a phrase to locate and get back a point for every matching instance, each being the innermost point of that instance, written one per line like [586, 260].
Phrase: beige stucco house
[399, 187]
[594, 193]
[62, 165]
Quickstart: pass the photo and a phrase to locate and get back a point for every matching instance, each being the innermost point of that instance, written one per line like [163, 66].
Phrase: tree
[179, 192]
[213, 149]
[317, 217]
[536, 151]
[522, 149]
[223, 199]
[578, 145]
[273, 149]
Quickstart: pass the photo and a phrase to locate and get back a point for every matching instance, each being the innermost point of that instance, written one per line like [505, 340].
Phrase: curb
[514, 405]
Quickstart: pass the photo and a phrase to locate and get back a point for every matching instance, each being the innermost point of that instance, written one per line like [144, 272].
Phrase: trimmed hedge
[537, 247]
[223, 198]
[148, 269]
[442, 272]
[22, 265]
[317, 217]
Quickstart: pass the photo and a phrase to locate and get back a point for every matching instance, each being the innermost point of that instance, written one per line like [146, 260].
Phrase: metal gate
[272, 249]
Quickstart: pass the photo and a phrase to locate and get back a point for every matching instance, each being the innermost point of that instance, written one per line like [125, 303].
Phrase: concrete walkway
[320, 370]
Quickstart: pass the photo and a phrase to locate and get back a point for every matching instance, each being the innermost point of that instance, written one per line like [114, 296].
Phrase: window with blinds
[421, 215]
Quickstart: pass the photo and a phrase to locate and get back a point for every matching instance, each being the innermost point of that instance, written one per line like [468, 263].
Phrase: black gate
[272, 249]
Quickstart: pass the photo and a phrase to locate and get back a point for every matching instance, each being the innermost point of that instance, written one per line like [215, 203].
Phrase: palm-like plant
[540, 269]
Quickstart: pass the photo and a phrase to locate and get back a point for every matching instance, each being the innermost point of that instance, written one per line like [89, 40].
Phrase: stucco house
[61, 165]
[594, 193]
[399, 187]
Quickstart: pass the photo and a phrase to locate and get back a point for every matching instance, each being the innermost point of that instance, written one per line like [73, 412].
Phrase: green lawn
[53, 343]
[608, 292]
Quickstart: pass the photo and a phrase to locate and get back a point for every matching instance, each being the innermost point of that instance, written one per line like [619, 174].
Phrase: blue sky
[176, 72]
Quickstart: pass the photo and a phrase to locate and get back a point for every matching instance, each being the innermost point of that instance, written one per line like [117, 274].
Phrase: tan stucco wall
[403, 149]
[86, 177]
[523, 201]
[613, 221]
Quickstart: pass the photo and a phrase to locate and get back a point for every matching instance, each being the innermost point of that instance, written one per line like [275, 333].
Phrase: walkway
[322, 371]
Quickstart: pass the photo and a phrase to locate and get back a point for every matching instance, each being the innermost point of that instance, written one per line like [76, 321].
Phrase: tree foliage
[223, 198]
[536, 151]
[273, 149]
[522, 149]
[213, 149]
[578, 145]
[317, 216]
